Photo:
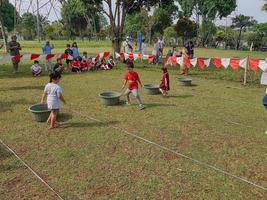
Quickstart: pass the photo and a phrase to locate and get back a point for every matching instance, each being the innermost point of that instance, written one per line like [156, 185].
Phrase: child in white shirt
[52, 96]
[36, 69]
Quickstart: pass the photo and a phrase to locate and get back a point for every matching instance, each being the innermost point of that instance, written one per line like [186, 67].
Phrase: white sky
[246, 7]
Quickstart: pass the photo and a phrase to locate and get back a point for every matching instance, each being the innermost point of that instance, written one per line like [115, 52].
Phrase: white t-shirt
[53, 93]
[36, 68]
[126, 45]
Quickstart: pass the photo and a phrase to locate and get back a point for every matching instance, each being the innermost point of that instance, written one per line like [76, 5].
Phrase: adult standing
[188, 53]
[75, 50]
[127, 46]
[161, 45]
[156, 51]
[14, 47]
[47, 49]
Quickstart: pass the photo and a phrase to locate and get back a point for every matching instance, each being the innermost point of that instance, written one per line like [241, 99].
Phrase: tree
[27, 26]
[186, 29]
[207, 8]
[264, 7]
[163, 16]
[170, 35]
[241, 22]
[137, 21]
[7, 14]
[219, 37]
[207, 31]
[54, 30]
[116, 13]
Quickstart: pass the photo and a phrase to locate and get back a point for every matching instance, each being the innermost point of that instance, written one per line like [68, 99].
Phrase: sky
[245, 7]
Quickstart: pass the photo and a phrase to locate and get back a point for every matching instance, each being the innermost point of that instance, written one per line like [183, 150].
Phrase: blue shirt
[47, 49]
[75, 52]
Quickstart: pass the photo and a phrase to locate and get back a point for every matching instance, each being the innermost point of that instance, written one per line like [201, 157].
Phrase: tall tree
[116, 11]
[7, 14]
[186, 29]
[264, 7]
[207, 8]
[241, 22]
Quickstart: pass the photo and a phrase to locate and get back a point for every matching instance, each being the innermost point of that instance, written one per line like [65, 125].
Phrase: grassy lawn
[219, 122]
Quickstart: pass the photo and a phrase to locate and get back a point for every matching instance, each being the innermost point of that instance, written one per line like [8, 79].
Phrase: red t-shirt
[165, 82]
[132, 78]
[76, 64]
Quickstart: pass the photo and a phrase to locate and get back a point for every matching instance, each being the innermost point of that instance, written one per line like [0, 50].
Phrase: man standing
[127, 45]
[47, 49]
[13, 47]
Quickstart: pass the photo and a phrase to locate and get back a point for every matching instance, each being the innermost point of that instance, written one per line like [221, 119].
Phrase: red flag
[187, 62]
[235, 64]
[217, 62]
[122, 56]
[150, 59]
[131, 56]
[49, 56]
[106, 54]
[174, 61]
[34, 56]
[63, 56]
[201, 63]
[166, 61]
[97, 57]
[253, 64]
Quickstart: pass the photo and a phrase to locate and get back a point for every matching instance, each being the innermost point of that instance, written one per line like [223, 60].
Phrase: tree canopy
[7, 14]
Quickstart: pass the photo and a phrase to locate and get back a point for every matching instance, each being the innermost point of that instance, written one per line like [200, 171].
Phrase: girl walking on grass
[164, 86]
[52, 96]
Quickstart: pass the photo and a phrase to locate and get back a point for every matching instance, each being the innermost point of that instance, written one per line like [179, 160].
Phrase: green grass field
[217, 121]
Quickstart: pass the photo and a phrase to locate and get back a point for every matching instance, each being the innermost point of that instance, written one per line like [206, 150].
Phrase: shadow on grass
[23, 88]
[8, 105]
[87, 124]
[64, 117]
[180, 96]
[152, 105]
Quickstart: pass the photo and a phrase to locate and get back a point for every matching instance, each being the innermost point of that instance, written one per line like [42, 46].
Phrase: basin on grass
[110, 98]
[152, 89]
[184, 81]
[40, 112]
[264, 101]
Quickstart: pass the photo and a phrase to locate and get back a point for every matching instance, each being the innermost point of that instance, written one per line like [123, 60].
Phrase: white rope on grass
[34, 173]
[175, 152]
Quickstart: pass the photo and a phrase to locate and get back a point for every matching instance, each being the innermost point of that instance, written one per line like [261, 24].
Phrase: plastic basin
[110, 98]
[40, 112]
[151, 89]
[184, 81]
[264, 101]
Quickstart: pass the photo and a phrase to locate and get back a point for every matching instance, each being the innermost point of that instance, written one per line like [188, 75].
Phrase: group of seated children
[84, 63]
[76, 65]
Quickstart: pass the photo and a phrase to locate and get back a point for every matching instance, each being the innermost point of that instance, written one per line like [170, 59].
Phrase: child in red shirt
[132, 78]
[164, 86]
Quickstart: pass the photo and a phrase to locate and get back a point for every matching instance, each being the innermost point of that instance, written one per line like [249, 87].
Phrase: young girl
[52, 96]
[164, 86]
[132, 78]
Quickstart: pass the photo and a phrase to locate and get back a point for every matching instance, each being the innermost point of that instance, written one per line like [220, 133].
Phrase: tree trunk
[116, 43]
[3, 34]
[238, 39]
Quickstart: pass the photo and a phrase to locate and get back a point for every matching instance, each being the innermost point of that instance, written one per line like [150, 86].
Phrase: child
[110, 63]
[69, 54]
[164, 86]
[52, 96]
[36, 69]
[58, 66]
[132, 78]
[76, 66]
